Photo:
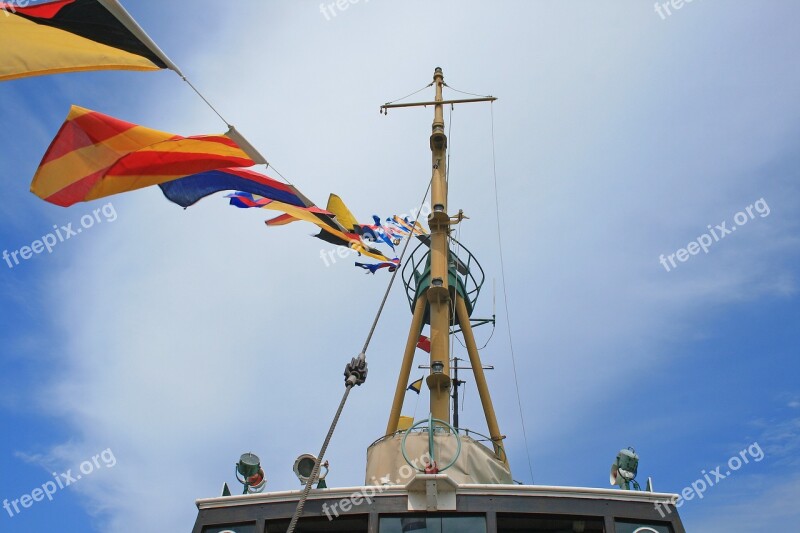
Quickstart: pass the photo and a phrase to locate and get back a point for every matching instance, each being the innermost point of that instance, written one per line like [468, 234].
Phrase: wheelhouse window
[641, 527]
[341, 524]
[427, 523]
[517, 523]
[232, 528]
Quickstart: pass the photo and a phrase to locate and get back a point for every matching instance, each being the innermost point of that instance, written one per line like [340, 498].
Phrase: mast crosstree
[441, 296]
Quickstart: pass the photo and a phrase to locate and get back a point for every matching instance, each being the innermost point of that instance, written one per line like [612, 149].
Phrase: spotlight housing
[250, 474]
[304, 467]
[623, 471]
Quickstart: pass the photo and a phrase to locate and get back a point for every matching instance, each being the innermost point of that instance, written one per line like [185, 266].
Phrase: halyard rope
[350, 382]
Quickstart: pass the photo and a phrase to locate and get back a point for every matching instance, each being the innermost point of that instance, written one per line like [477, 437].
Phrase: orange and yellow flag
[95, 155]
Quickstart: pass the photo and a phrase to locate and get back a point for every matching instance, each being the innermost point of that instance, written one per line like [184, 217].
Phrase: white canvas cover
[477, 464]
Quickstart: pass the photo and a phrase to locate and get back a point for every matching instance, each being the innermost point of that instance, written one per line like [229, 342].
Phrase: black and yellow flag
[416, 386]
[72, 36]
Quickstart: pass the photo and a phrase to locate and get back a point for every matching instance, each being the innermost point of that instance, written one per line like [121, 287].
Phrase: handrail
[467, 433]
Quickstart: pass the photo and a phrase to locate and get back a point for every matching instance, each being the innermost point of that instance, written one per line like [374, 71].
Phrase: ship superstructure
[429, 474]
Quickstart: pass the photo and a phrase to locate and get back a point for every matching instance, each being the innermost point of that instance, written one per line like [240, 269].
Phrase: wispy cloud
[781, 439]
[768, 505]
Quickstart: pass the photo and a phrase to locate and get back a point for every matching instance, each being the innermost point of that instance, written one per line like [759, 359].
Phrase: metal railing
[468, 273]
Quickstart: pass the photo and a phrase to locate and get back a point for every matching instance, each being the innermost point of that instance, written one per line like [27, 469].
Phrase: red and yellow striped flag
[95, 155]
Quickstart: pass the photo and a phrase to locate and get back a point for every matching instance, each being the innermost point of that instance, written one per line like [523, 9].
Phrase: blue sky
[621, 136]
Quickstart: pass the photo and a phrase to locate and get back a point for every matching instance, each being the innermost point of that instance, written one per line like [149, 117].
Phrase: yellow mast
[438, 298]
[439, 292]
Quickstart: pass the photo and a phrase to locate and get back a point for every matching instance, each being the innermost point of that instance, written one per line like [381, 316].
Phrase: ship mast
[439, 292]
[441, 303]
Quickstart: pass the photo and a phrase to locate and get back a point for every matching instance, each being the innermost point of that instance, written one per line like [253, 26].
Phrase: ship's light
[624, 469]
[248, 465]
[252, 475]
[304, 467]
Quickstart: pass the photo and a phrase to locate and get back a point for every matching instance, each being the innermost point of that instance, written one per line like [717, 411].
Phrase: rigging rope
[350, 381]
[315, 471]
[505, 299]
[214, 109]
[394, 275]
[485, 344]
[449, 145]
[465, 92]
[278, 172]
[409, 95]
[458, 230]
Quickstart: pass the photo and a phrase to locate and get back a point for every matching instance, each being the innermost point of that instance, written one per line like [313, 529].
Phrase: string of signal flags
[95, 155]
